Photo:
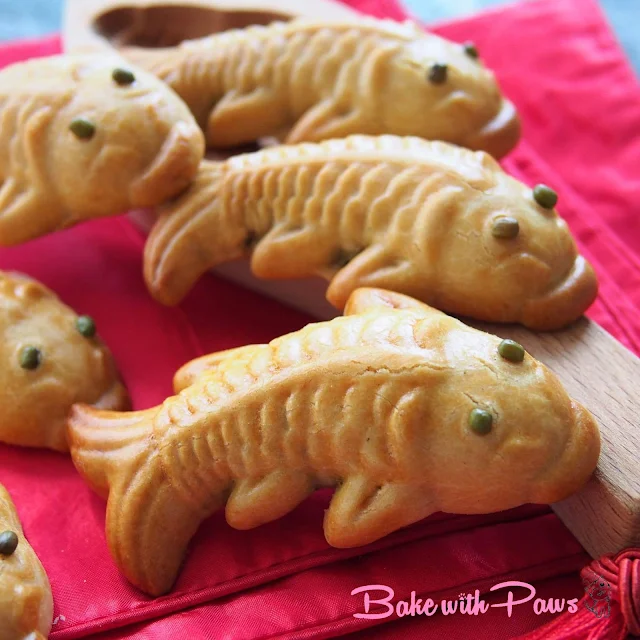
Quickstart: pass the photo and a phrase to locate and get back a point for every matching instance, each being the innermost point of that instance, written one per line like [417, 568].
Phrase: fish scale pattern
[209, 439]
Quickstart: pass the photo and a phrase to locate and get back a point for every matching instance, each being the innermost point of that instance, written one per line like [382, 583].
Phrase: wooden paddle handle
[91, 25]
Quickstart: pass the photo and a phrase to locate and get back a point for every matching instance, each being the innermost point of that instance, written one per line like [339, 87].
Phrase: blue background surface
[28, 18]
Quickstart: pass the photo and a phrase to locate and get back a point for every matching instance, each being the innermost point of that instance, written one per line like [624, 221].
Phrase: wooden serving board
[596, 369]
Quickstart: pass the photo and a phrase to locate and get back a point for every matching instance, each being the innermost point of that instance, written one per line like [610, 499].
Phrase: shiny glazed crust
[144, 149]
[310, 81]
[403, 214]
[35, 403]
[26, 603]
[376, 403]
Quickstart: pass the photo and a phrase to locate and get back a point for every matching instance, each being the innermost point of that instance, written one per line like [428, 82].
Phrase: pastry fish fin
[21, 213]
[150, 517]
[367, 299]
[186, 375]
[362, 511]
[241, 118]
[291, 253]
[150, 522]
[8, 514]
[190, 237]
[374, 267]
[324, 121]
[255, 501]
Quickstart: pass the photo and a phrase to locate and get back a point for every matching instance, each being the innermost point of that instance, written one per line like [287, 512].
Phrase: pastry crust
[376, 403]
[75, 144]
[36, 396]
[310, 81]
[26, 603]
[404, 214]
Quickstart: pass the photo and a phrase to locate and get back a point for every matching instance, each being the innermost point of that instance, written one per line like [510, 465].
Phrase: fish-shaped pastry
[404, 409]
[87, 136]
[432, 220]
[51, 358]
[26, 603]
[306, 81]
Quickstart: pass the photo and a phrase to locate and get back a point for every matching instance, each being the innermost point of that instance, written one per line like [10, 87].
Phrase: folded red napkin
[580, 105]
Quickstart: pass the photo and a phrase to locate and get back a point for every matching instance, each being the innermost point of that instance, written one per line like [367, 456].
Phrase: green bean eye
[471, 50]
[82, 128]
[8, 543]
[545, 196]
[505, 227]
[438, 73]
[86, 326]
[30, 358]
[123, 77]
[511, 350]
[480, 421]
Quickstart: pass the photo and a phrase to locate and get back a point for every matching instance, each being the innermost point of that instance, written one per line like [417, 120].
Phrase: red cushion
[580, 105]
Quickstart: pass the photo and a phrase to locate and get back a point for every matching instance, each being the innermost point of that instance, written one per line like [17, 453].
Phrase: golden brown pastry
[397, 405]
[309, 81]
[51, 358]
[87, 136]
[26, 604]
[432, 220]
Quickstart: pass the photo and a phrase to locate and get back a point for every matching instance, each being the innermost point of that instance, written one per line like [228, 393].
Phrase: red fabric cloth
[610, 607]
[580, 105]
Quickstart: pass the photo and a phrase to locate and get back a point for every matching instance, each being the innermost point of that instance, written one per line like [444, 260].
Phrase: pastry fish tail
[192, 234]
[105, 444]
[150, 518]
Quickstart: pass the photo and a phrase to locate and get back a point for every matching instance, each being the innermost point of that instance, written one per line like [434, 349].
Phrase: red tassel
[610, 609]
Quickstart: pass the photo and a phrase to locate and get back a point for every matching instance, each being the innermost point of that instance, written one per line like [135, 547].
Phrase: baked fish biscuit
[397, 405]
[51, 358]
[26, 603]
[309, 81]
[86, 136]
[432, 220]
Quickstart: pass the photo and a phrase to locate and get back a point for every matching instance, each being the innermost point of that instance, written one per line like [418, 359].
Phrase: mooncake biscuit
[311, 80]
[440, 223]
[399, 406]
[87, 136]
[51, 358]
[26, 603]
